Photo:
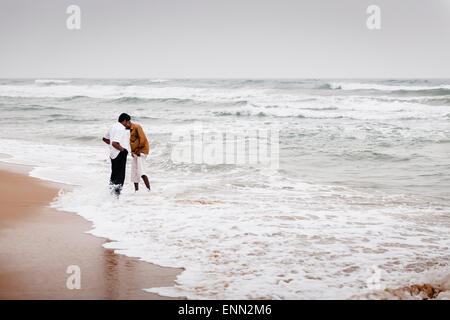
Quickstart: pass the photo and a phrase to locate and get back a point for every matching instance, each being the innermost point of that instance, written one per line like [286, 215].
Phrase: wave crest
[50, 81]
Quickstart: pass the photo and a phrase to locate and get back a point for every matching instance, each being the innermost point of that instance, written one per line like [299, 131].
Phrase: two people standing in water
[120, 145]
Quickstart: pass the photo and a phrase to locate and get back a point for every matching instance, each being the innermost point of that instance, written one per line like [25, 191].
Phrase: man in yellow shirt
[139, 152]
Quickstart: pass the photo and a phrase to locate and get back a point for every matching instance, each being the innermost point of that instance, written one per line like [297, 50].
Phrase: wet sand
[38, 243]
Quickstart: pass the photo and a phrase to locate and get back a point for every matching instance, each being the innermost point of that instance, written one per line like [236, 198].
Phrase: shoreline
[39, 243]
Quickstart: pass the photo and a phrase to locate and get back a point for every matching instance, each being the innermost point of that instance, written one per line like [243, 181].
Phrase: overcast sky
[225, 39]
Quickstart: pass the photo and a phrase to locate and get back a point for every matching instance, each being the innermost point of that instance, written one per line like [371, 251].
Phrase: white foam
[381, 87]
[243, 234]
[50, 81]
[158, 80]
[117, 91]
[355, 107]
[438, 277]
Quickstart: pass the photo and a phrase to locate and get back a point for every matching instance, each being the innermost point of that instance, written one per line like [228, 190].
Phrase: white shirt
[118, 133]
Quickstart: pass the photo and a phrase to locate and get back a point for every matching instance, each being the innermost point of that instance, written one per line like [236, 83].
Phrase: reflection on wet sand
[37, 244]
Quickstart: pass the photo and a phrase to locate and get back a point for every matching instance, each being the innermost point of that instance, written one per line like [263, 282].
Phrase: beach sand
[38, 243]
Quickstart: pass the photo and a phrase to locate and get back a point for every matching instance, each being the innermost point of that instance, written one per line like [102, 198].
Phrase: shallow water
[362, 184]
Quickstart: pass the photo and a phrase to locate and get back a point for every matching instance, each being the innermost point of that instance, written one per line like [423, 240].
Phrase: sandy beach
[38, 243]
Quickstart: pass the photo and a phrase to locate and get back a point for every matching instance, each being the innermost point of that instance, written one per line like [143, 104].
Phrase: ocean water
[360, 200]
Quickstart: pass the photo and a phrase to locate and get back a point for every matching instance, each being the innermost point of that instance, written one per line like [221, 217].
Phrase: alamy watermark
[74, 280]
[255, 147]
[373, 22]
[373, 282]
[73, 22]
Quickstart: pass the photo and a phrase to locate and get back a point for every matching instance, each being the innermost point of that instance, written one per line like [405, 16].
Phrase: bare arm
[117, 146]
[106, 141]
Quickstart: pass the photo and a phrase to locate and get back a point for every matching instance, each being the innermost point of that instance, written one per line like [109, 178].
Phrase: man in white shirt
[118, 139]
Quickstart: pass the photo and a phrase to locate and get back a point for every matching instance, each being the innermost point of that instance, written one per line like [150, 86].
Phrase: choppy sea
[360, 199]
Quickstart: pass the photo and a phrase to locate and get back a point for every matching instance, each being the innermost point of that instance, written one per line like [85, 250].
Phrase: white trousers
[137, 167]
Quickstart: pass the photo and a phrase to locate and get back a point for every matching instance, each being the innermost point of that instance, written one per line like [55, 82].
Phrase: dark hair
[125, 117]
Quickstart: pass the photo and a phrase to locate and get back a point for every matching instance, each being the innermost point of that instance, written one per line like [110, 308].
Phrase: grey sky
[225, 38]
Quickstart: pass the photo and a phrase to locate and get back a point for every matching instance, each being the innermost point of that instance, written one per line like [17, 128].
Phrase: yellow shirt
[138, 140]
